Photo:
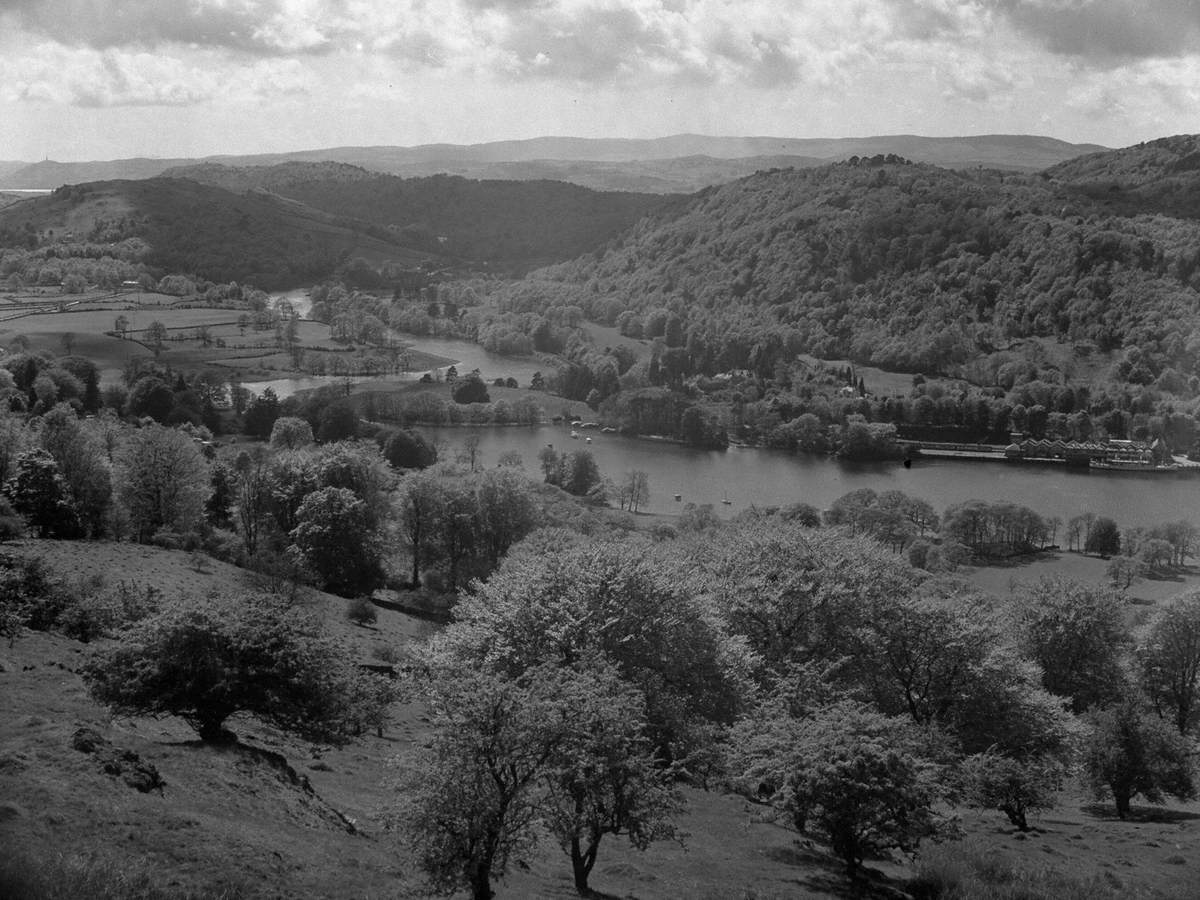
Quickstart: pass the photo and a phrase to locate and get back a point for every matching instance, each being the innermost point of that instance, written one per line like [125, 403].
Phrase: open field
[247, 352]
[238, 820]
[999, 580]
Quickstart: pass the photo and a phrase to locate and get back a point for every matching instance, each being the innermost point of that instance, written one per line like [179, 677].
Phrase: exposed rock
[124, 764]
[87, 740]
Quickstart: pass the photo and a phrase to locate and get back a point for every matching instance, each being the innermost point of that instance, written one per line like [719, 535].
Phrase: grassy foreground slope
[278, 818]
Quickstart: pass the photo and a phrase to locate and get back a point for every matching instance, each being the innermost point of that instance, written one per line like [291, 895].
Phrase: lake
[764, 477]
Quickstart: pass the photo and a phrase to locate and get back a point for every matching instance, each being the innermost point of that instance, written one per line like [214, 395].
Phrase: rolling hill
[197, 229]
[1157, 177]
[506, 222]
[296, 223]
[607, 164]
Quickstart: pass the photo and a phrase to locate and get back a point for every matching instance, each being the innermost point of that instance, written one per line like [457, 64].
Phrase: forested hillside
[905, 266]
[184, 227]
[1161, 176]
[496, 221]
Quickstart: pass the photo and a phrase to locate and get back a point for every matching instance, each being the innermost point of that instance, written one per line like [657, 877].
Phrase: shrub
[1016, 787]
[207, 661]
[279, 574]
[858, 776]
[361, 611]
[1133, 753]
[386, 653]
[29, 594]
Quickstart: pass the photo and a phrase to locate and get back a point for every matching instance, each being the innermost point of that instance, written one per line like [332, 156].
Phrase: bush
[856, 775]
[279, 574]
[1016, 787]
[29, 595]
[361, 611]
[1132, 752]
[207, 661]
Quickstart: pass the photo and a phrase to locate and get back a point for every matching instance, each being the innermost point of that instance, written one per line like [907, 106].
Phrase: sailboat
[726, 499]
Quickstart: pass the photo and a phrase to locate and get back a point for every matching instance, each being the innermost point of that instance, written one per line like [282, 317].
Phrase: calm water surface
[772, 478]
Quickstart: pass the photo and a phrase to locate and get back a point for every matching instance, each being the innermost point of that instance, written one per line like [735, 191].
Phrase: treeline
[989, 530]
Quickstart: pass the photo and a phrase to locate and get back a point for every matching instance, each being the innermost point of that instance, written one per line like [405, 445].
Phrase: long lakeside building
[1121, 455]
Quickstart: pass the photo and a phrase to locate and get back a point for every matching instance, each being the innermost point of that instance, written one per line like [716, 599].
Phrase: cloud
[110, 78]
[1107, 32]
[972, 47]
[766, 43]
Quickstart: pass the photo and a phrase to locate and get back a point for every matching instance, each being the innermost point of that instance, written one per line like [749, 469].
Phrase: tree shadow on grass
[824, 873]
[1140, 814]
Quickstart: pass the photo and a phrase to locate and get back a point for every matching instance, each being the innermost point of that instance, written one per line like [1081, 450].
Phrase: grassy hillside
[274, 817]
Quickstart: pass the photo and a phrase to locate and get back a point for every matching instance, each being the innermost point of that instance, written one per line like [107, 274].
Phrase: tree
[468, 455]
[151, 396]
[1016, 787]
[208, 659]
[406, 449]
[337, 542]
[619, 603]
[1103, 538]
[1169, 661]
[635, 490]
[579, 473]
[470, 389]
[291, 433]
[339, 422]
[162, 479]
[252, 498]
[603, 778]
[506, 512]
[156, 333]
[1076, 633]
[421, 504]
[1131, 754]
[1123, 571]
[39, 493]
[855, 774]
[469, 802]
[83, 464]
[261, 414]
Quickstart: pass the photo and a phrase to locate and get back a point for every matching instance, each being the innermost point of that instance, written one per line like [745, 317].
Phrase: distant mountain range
[680, 163]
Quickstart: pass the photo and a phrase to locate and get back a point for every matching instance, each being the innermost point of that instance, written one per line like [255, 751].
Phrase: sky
[103, 79]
